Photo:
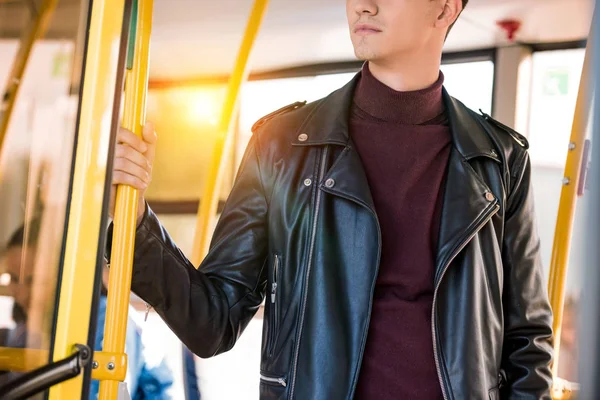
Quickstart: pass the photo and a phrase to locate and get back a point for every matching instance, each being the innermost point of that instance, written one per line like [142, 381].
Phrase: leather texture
[299, 230]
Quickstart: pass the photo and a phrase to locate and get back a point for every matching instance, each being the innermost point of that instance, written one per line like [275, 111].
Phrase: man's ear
[450, 12]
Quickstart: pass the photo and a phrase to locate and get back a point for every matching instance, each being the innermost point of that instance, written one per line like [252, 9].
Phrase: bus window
[556, 77]
[478, 93]
[259, 98]
[35, 167]
[555, 84]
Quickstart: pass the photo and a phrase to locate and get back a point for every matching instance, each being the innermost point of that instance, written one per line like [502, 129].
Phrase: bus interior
[203, 72]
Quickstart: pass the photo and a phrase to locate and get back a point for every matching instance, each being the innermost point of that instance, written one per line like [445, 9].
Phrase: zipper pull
[274, 284]
[148, 307]
[273, 291]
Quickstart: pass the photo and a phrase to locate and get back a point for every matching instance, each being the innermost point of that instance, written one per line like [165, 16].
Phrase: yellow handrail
[84, 226]
[567, 205]
[36, 30]
[119, 283]
[210, 194]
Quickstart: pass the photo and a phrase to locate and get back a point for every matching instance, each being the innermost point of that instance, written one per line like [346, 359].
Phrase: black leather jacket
[300, 227]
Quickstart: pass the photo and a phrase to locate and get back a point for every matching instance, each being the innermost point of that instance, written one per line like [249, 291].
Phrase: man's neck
[406, 76]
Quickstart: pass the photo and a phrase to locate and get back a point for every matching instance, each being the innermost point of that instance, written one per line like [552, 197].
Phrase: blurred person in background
[16, 266]
[16, 272]
[144, 381]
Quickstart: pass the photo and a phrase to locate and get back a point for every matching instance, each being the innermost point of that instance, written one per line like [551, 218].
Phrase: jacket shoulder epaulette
[282, 110]
[520, 139]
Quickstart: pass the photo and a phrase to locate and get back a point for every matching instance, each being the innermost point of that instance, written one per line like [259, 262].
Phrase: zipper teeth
[274, 315]
[310, 256]
[276, 272]
[280, 381]
[435, 292]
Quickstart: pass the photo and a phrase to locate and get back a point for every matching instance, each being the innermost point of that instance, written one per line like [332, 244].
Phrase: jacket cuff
[141, 233]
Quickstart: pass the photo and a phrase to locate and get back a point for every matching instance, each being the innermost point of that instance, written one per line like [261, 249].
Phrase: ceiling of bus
[201, 37]
[198, 37]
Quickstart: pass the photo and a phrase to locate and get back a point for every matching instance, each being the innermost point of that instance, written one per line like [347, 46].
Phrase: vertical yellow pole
[36, 30]
[210, 195]
[136, 83]
[566, 209]
[83, 230]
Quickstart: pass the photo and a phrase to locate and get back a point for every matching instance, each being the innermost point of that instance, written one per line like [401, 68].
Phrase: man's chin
[364, 56]
[365, 53]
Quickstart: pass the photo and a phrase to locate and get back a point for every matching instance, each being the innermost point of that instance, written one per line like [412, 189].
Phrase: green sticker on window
[60, 64]
[556, 82]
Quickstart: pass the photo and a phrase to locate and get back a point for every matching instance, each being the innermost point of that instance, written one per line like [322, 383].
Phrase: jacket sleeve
[208, 308]
[527, 351]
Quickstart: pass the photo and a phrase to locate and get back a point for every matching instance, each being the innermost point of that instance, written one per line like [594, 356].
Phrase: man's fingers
[133, 155]
[150, 138]
[131, 139]
[123, 178]
[131, 168]
[149, 134]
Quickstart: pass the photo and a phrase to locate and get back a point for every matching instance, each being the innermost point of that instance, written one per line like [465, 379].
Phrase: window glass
[259, 98]
[35, 169]
[186, 121]
[556, 76]
[472, 83]
[555, 84]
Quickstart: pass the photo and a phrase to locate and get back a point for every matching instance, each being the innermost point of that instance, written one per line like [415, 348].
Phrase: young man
[390, 228]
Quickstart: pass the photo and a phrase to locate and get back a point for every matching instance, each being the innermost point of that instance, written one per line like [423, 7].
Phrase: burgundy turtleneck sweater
[404, 142]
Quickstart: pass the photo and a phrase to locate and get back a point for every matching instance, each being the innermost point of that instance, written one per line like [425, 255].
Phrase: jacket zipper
[484, 220]
[278, 381]
[274, 313]
[308, 268]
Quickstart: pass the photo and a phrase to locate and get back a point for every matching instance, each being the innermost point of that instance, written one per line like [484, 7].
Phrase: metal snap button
[303, 137]
[489, 196]
[329, 183]
[307, 182]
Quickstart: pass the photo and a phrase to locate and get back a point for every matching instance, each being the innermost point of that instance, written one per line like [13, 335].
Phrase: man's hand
[133, 164]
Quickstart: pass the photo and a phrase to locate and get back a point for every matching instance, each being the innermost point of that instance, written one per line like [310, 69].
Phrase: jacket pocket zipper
[274, 317]
[273, 381]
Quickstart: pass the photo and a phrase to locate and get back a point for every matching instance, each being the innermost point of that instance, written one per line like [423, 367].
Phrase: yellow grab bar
[84, 223]
[134, 117]
[567, 205]
[210, 194]
[36, 30]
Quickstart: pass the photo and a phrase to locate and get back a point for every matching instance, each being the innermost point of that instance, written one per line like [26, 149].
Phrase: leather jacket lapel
[466, 202]
[347, 179]
[327, 125]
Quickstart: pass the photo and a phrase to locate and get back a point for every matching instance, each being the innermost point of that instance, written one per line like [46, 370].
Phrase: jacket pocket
[269, 379]
[274, 306]
[272, 387]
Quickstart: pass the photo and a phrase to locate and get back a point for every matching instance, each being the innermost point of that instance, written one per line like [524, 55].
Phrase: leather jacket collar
[328, 125]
